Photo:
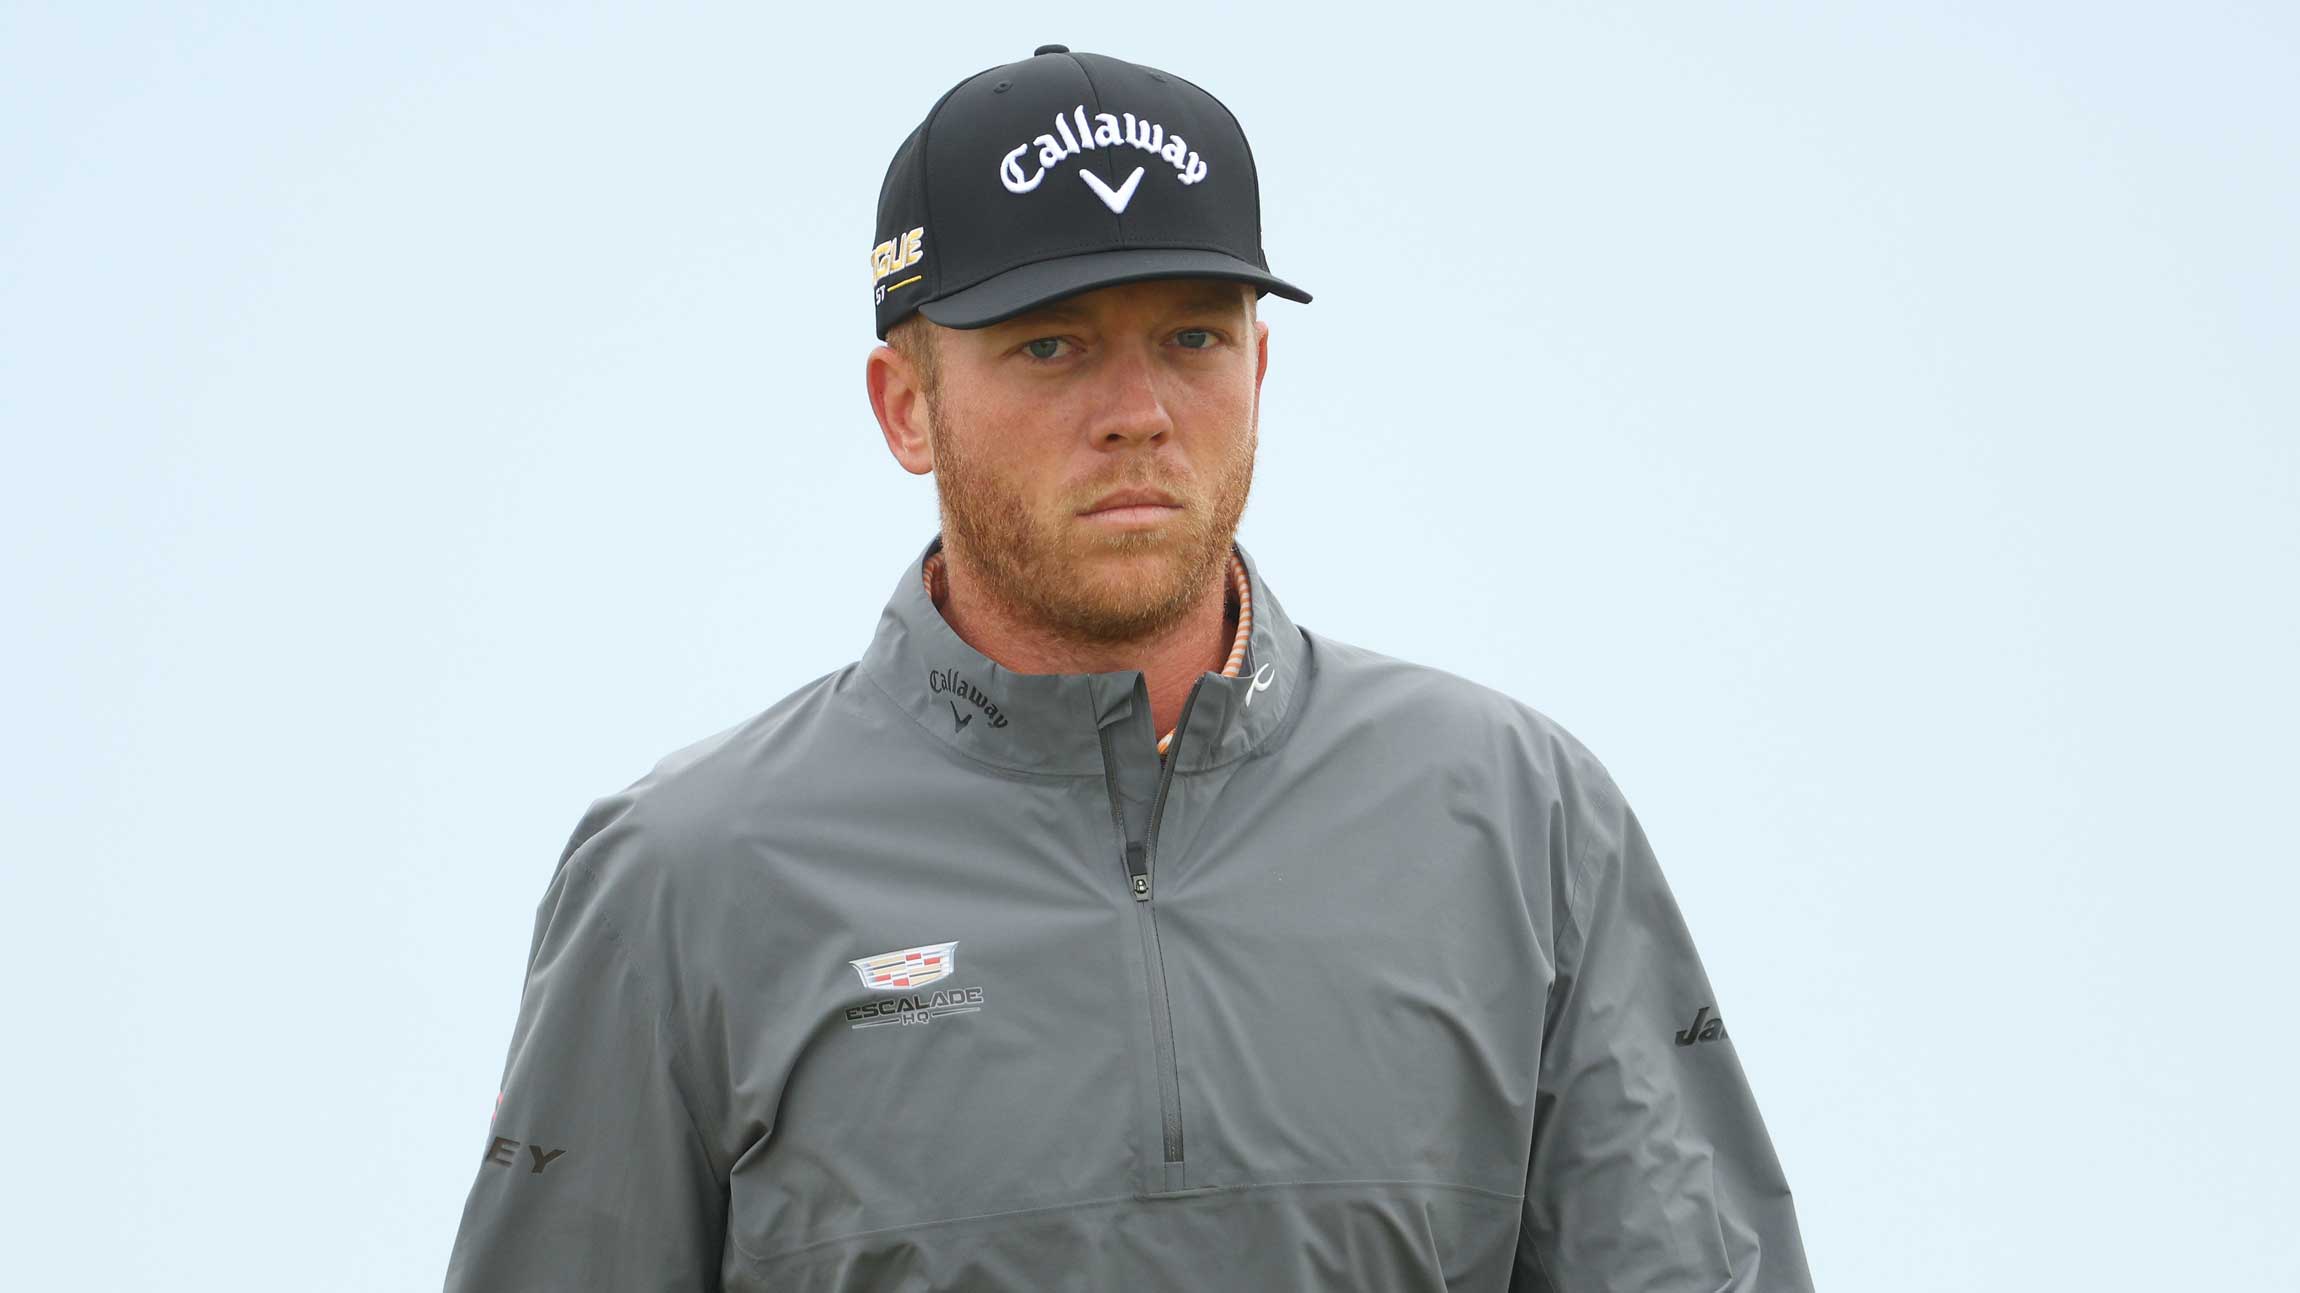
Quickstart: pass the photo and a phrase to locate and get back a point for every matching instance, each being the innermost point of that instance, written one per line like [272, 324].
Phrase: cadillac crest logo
[912, 967]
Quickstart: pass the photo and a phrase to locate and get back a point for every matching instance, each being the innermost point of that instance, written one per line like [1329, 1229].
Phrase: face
[1036, 421]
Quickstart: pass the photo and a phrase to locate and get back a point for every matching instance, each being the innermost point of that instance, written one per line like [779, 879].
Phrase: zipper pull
[1138, 866]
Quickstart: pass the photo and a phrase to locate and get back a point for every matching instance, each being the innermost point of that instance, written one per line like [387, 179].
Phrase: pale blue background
[1871, 428]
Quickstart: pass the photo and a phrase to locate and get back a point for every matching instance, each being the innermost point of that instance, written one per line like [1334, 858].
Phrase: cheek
[1221, 414]
[1010, 452]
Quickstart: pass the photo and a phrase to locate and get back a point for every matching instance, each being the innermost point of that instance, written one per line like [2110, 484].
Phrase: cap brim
[1026, 287]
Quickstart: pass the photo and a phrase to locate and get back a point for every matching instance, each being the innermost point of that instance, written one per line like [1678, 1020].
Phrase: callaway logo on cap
[1065, 172]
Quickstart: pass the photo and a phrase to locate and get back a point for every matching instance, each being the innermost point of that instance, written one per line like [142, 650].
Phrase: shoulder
[660, 840]
[1488, 756]
[1419, 715]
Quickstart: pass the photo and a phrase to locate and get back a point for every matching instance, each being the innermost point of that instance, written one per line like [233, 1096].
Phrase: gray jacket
[936, 976]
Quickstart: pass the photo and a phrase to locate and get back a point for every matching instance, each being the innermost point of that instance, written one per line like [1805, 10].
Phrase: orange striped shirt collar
[1239, 605]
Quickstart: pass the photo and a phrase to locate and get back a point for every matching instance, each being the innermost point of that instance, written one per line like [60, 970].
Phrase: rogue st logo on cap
[894, 254]
[1007, 241]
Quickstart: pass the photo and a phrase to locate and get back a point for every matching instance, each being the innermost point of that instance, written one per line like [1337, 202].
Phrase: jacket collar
[1052, 723]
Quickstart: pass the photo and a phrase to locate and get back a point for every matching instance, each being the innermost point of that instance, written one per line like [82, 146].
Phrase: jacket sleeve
[595, 1175]
[1651, 1169]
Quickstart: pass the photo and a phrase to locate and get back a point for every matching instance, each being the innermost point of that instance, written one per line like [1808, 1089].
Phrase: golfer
[1102, 928]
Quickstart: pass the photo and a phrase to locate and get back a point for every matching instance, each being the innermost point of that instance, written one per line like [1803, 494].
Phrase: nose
[1129, 407]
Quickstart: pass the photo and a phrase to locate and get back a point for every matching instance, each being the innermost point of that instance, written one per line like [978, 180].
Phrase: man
[1101, 928]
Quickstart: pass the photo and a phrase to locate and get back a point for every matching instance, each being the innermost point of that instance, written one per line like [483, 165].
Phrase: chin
[1134, 558]
[1142, 554]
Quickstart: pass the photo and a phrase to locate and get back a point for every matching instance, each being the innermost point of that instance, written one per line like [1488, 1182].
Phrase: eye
[1196, 332]
[1032, 348]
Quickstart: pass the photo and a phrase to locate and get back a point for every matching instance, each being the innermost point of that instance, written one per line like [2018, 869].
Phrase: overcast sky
[1872, 429]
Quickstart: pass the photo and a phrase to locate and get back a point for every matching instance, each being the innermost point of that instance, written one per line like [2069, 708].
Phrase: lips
[1132, 498]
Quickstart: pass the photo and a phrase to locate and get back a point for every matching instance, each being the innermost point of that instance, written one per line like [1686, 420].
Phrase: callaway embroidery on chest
[1104, 130]
[907, 969]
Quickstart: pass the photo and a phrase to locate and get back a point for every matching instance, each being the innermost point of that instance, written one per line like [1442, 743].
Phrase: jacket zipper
[1138, 854]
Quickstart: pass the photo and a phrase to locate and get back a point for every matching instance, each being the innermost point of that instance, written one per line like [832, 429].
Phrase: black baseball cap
[1064, 172]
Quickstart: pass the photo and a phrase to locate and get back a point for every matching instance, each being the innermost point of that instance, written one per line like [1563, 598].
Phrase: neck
[1170, 660]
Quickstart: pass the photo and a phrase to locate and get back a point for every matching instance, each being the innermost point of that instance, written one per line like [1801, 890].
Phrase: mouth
[1132, 501]
[1124, 517]
[1132, 509]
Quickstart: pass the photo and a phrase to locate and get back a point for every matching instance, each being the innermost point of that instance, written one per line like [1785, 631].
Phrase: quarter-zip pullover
[937, 976]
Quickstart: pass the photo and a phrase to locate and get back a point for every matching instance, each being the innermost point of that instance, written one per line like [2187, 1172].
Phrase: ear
[900, 404]
[1261, 356]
